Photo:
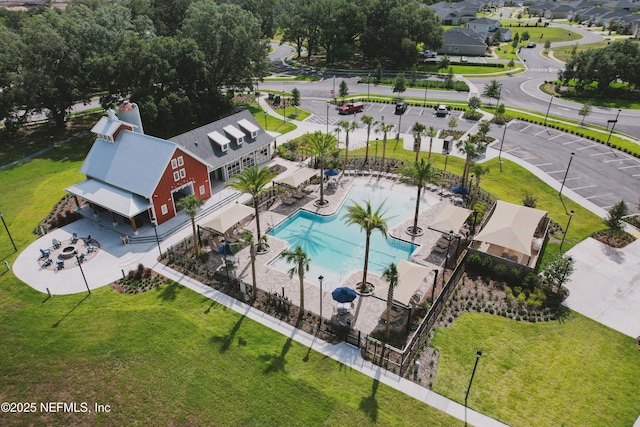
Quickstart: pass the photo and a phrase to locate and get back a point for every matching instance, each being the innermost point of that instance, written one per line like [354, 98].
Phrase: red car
[351, 108]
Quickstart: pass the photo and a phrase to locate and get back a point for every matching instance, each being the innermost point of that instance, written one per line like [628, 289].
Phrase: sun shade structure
[298, 177]
[512, 226]
[410, 277]
[109, 197]
[229, 217]
[451, 218]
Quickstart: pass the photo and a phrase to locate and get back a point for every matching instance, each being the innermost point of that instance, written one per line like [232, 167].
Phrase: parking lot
[598, 173]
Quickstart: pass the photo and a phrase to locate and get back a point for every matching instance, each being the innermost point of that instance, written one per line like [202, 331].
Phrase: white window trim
[174, 163]
[180, 161]
[182, 173]
[164, 209]
[176, 176]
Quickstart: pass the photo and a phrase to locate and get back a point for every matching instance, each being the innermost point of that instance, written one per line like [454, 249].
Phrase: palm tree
[368, 220]
[368, 121]
[252, 181]
[190, 206]
[248, 238]
[390, 274]
[469, 147]
[419, 173]
[431, 134]
[478, 171]
[385, 129]
[321, 146]
[300, 260]
[418, 130]
[347, 127]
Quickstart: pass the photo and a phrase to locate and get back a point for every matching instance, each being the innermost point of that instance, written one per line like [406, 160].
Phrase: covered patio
[514, 233]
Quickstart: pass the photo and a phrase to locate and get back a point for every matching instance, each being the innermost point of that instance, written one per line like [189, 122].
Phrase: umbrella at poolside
[332, 172]
[460, 190]
[344, 294]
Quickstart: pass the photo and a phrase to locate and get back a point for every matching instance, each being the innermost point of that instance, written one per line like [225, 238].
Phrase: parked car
[531, 45]
[442, 110]
[351, 107]
[464, 59]
[427, 54]
[401, 107]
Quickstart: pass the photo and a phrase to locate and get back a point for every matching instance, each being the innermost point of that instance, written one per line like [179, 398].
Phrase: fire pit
[67, 252]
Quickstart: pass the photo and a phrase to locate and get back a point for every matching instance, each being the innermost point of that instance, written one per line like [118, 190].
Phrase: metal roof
[198, 143]
[134, 162]
[110, 197]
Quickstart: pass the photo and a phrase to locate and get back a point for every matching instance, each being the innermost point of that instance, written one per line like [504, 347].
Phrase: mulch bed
[614, 238]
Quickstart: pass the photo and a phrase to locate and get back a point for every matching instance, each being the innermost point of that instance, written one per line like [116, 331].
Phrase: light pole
[446, 260]
[7, 228]
[614, 125]
[566, 230]
[377, 149]
[265, 120]
[368, 84]
[284, 114]
[433, 288]
[327, 117]
[504, 134]
[79, 261]
[155, 230]
[320, 279]
[466, 396]
[548, 109]
[566, 173]
[446, 159]
[426, 86]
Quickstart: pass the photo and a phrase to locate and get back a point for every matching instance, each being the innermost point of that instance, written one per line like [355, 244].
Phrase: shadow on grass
[227, 340]
[369, 404]
[169, 292]
[213, 303]
[55, 325]
[276, 363]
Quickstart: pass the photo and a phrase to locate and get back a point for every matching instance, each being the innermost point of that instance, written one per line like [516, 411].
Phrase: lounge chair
[59, 265]
[288, 201]
[80, 258]
[47, 262]
[91, 248]
[298, 195]
[44, 253]
[56, 243]
[74, 238]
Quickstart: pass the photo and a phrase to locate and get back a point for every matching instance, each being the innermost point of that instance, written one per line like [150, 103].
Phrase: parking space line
[542, 164]
[632, 166]
[512, 150]
[525, 128]
[571, 179]
[381, 109]
[571, 142]
[588, 146]
[599, 195]
[529, 158]
[600, 154]
[561, 170]
[580, 188]
[542, 131]
[554, 137]
[615, 160]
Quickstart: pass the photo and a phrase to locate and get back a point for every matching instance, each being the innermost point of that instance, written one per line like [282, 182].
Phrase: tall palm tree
[478, 172]
[418, 130]
[321, 146]
[347, 127]
[368, 121]
[431, 134]
[249, 239]
[300, 260]
[190, 206]
[420, 173]
[384, 129]
[252, 181]
[368, 220]
[390, 274]
[469, 148]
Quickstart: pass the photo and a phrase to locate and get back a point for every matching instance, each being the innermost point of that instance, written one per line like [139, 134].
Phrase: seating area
[53, 258]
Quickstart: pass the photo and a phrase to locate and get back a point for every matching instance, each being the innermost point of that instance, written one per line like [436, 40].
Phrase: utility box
[447, 144]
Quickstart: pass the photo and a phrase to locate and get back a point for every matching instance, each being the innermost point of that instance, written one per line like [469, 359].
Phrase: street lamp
[7, 228]
[566, 173]
[284, 105]
[79, 261]
[446, 159]
[614, 124]
[504, 133]
[155, 230]
[426, 86]
[327, 117]
[548, 109]
[377, 149]
[466, 396]
[446, 260]
[368, 84]
[566, 230]
[265, 120]
[320, 280]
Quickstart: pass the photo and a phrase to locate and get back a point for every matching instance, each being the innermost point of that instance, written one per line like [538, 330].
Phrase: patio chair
[287, 201]
[91, 249]
[59, 265]
[74, 238]
[80, 258]
[56, 243]
[44, 253]
[47, 262]
[298, 195]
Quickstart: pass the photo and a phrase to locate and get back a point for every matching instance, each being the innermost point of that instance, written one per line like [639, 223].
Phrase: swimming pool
[336, 249]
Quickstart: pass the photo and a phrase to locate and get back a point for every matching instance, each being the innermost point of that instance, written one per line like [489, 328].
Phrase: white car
[464, 59]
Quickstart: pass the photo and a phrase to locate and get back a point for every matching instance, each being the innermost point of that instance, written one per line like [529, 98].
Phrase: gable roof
[462, 37]
[198, 142]
[119, 163]
[483, 21]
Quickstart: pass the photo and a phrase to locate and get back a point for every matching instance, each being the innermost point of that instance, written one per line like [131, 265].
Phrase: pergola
[298, 177]
[228, 217]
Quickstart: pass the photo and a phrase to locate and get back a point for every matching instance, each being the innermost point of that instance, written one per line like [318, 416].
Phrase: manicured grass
[166, 357]
[563, 53]
[553, 34]
[273, 123]
[573, 372]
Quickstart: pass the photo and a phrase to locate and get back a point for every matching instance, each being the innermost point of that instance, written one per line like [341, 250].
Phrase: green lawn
[167, 357]
[563, 53]
[541, 34]
[574, 372]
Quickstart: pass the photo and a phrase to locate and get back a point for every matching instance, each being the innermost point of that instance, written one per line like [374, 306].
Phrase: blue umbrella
[344, 294]
[225, 249]
[332, 172]
[460, 190]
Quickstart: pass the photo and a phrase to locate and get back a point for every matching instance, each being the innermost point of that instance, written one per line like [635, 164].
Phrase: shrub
[529, 200]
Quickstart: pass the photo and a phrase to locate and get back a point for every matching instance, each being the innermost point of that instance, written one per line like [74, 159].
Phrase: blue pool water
[337, 249]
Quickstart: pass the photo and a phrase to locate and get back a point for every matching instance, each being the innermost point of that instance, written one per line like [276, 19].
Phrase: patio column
[75, 199]
[94, 210]
[114, 221]
[133, 226]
